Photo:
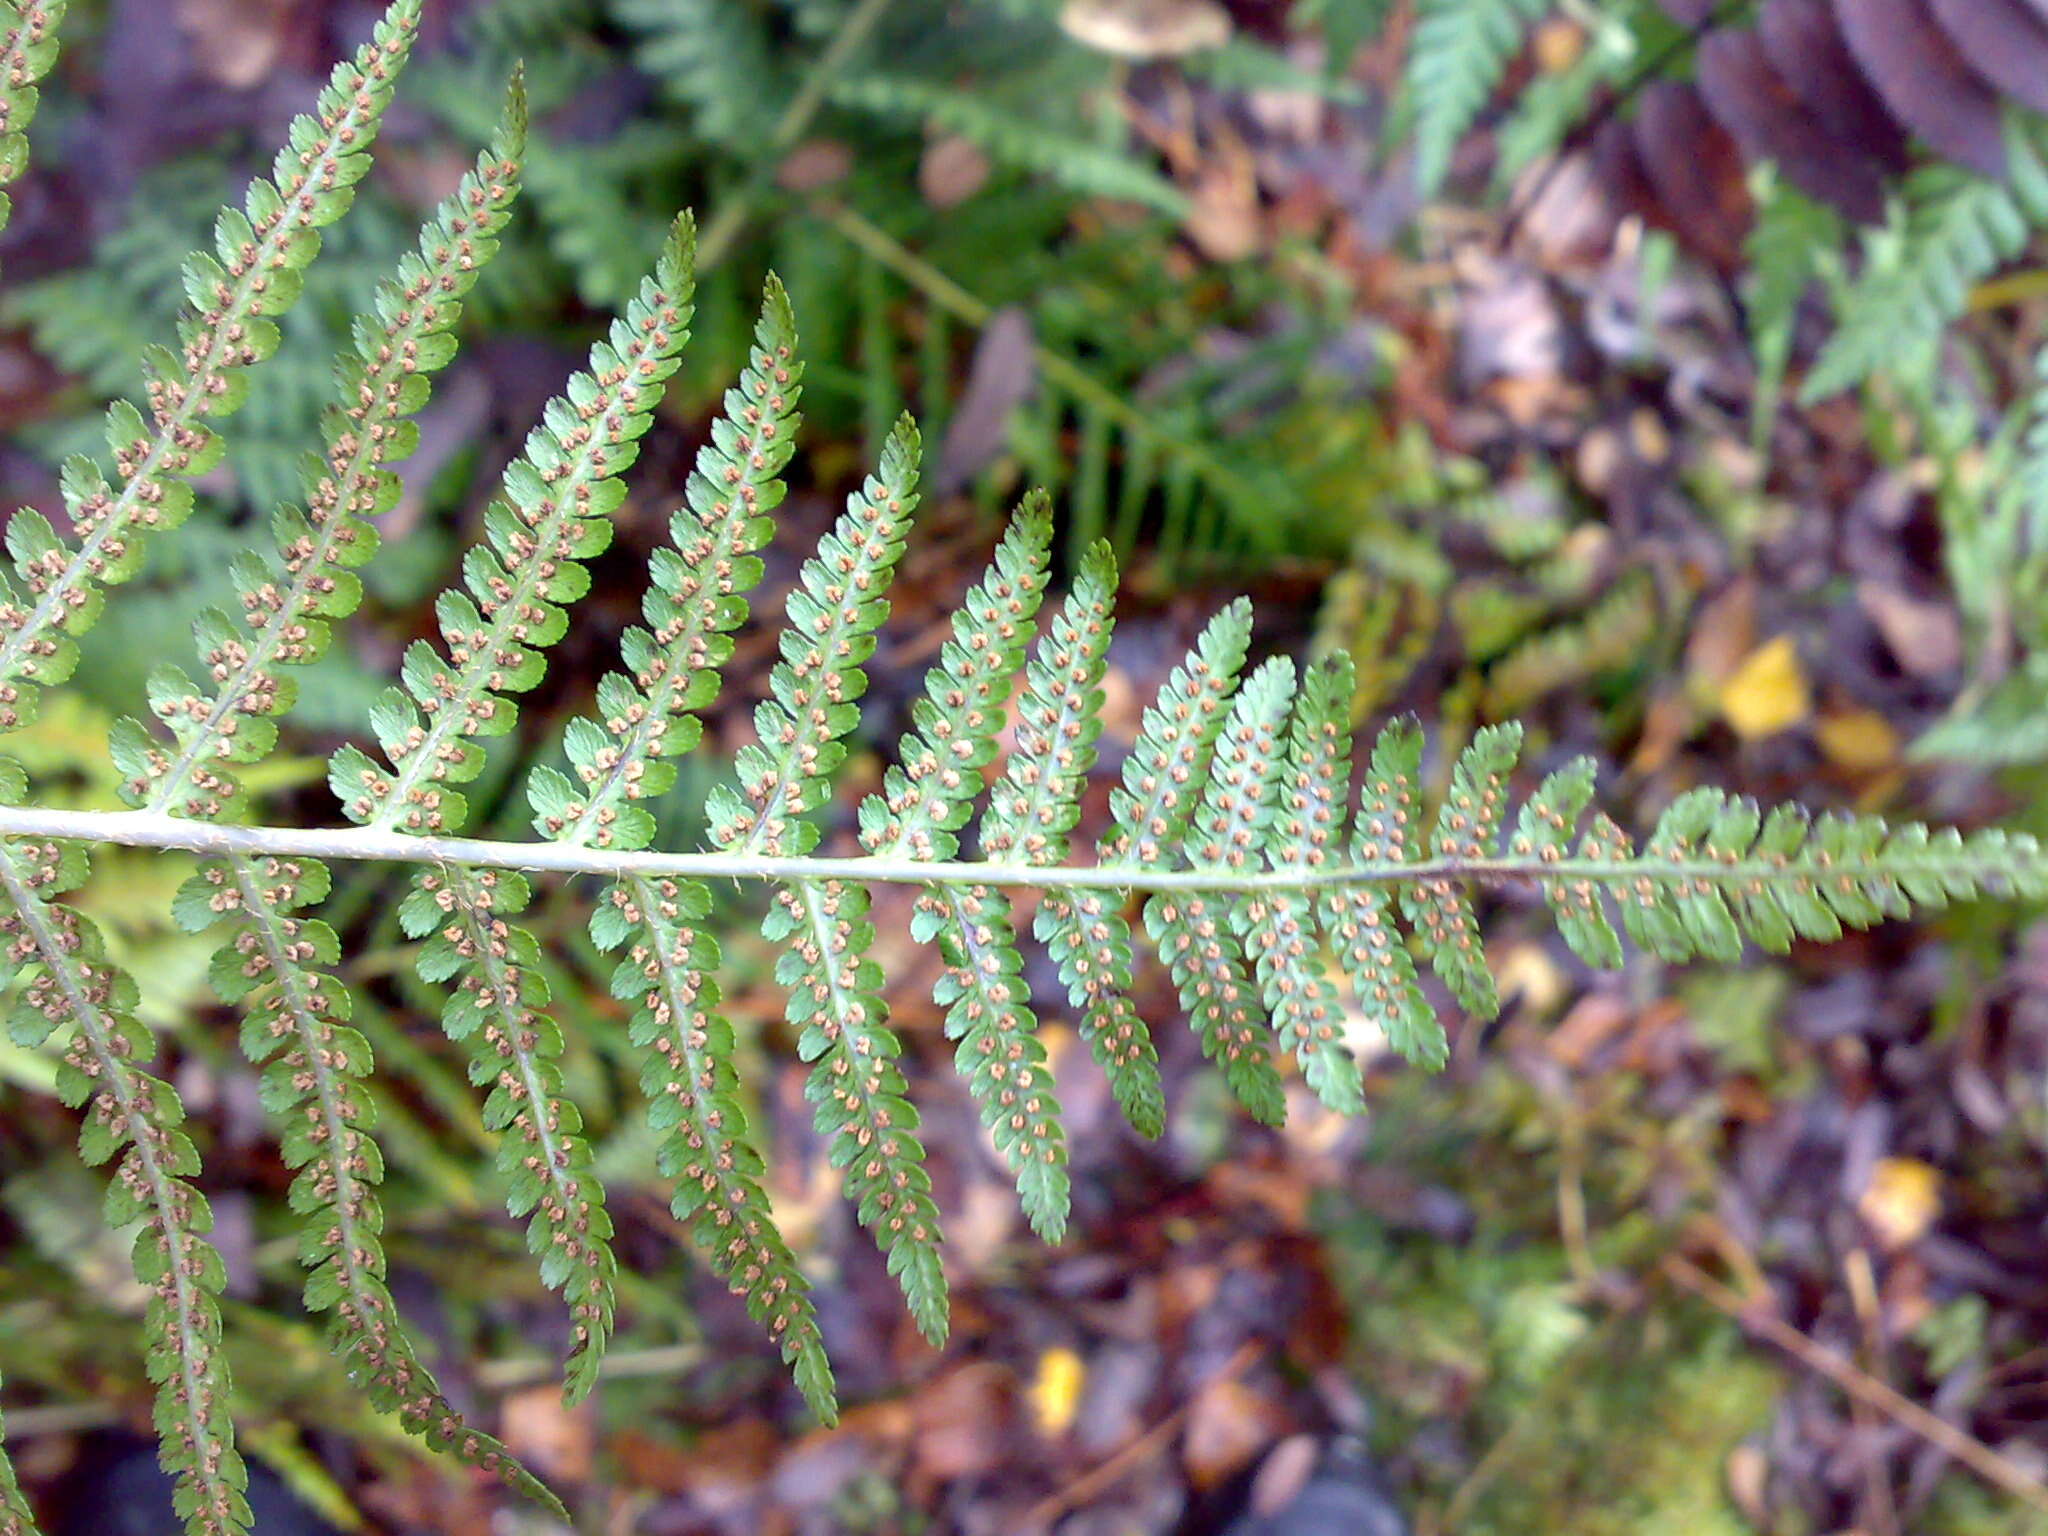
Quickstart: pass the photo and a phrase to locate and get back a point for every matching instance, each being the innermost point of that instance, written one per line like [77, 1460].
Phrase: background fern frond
[230, 326]
[1460, 52]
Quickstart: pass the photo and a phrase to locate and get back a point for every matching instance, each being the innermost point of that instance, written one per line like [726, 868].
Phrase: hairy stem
[147, 829]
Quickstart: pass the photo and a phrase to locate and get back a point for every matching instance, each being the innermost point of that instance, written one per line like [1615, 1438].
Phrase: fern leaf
[287, 605]
[621, 759]
[1440, 908]
[1959, 227]
[273, 962]
[1360, 917]
[693, 1090]
[229, 326]
[28, 49]
[926, 797]
[1080, 166]
[296, 1027]
[66, 981]
[1036, 805]
[693, 605]
[16, 1518]
[1543, 830]
[1460, 53]
[1154, 807]
[1279, 927]
[835, 1002]
[834, 991]
[497, 1009]
[550, 520]
[1226, 833]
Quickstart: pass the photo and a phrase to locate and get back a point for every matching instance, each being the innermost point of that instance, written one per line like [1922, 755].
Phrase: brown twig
[1860, 1385]
[1105, 1474]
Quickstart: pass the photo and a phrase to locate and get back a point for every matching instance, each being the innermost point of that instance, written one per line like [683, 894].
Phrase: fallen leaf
[813, 164]
[1228, 1425]
[557, 1441]
[951, 170]
[1146, 29]
[1860, 740]
[1901, 1200]
[237, 42]
[1768, 693]
[963, 1421]
[1056, 1390]
[1926, 637]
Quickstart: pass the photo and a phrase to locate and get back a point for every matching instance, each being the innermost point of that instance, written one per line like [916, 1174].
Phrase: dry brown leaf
[1146, 29]
[236, 42]
[1229, 1424]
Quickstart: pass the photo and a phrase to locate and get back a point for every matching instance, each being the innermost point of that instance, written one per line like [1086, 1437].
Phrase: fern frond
[1466, 823]
[287, 604]
[497, 1010]
[28, 48]
[834, 990]
[692, 1088]
[623, 758]
[926, 797]
[1611, 635]
[1279, 927]
[1361, 917]
[1076, 164]
[694, 603]
[229, 327]
[16, 1518]
[1036, 805]
[1460, 52]
[66, 981]
[1154, 808]
[274, 963]
[1958, 228]
[552, 518]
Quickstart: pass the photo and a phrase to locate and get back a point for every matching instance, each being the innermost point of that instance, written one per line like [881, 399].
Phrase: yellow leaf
[1768, 692]
[1901, 1200]
[1056, 1390]
[1860, 740]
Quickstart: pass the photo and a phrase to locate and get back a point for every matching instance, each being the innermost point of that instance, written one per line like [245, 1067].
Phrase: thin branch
[147, 829]
[1861, 1386]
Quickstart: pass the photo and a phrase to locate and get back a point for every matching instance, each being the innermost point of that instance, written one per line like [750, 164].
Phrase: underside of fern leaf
[1288, 883]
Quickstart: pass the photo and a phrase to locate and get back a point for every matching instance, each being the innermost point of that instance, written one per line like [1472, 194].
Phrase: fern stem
[734, 208]
[147, 829]
[1058, 369]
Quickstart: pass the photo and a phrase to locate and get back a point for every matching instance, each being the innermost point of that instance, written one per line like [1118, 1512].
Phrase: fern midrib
[1055, 785]
[347, 1189]
[186, 411]
[261, 651]
[144, 829]
[115, 1078]
[682, 989]
[451, 716]
[508, 1007]
[674, 681]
